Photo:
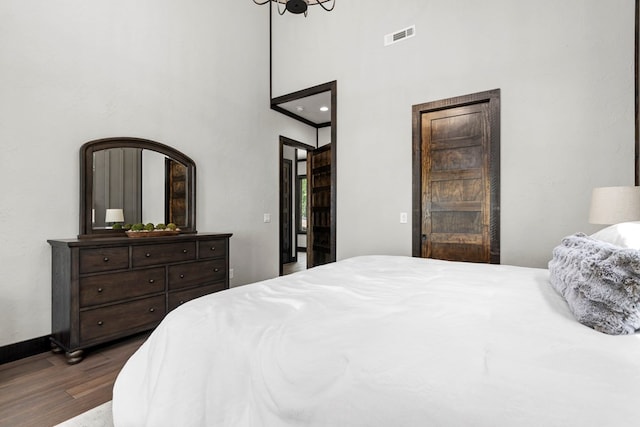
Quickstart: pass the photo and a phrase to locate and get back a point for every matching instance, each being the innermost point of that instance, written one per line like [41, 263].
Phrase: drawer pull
[182, 276]
[216, 270]
[213, 248]
[99, 290]
[100, 323]
[181, 302]
[147, 254]
[151, 310]
[184, 251]
[105, 259]
[152, 281]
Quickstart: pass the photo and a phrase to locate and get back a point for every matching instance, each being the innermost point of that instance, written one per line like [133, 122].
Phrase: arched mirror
[134, 180]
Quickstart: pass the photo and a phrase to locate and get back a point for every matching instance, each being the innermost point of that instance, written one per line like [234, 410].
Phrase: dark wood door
[457, 185]
[319, 198]
[286, 211]
[175, 193]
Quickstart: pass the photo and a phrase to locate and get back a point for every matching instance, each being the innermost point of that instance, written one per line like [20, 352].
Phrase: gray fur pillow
[599, 281]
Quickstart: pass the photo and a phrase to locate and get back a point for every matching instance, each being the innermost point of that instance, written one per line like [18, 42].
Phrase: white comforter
[382, 341]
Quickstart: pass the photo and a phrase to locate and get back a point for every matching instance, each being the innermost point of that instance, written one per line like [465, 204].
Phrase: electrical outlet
[267, 217]
[231, 273]
[403, 217]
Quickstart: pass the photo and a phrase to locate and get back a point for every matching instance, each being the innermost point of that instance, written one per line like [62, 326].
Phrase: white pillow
[625, 234]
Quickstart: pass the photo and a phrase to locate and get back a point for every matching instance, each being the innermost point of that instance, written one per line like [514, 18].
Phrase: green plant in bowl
[160, 226]
[127, 227]
[149, 226]
[137, 227]
[171, 226]
[117, 226]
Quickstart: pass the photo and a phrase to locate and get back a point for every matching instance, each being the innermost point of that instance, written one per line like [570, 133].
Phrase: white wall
[565, 70]
[324, 135]
[74, 71]
[153, 188]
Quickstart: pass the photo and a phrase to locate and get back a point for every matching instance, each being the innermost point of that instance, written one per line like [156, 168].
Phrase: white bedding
[382, 341]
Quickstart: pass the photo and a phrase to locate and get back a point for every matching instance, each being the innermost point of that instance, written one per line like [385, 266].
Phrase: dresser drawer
[162, 253]
[180, 297]
[103, 259]
[105, 288]
[214, 248]
[185, 275]
[121, 319]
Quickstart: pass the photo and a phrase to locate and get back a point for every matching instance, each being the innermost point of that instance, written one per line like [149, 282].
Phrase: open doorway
[305, 203]
[294, 205]
[316, 107]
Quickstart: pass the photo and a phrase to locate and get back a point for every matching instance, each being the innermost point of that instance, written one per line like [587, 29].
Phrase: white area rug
[100, 416]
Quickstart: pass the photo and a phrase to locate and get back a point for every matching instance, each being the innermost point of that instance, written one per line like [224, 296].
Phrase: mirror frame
[86, 181]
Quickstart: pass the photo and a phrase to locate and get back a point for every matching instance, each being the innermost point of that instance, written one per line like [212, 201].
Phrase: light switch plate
[403, 217]
[267, 217]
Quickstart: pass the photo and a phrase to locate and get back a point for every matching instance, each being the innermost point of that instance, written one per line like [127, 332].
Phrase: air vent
[403, 34]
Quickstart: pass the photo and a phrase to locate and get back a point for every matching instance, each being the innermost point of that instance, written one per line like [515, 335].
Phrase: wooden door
[458, 191]
[175, 193]
[286, 209]
[319, 199]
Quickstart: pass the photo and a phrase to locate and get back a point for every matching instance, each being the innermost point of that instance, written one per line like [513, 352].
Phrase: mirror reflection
[133, 185]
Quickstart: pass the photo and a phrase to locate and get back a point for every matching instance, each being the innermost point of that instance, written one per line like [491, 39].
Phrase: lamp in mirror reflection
[613, 205]
[113, 216]
[299, 6]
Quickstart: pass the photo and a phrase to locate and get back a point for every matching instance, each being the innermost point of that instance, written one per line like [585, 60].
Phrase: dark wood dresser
[109, 288]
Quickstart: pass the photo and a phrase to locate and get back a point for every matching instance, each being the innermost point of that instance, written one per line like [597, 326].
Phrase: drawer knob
[100, 323]
[99, 290]
[182, 276]
[213, 248]
[147, 254]
[215, 270]
[151, 310]
[181, 302]
[105, 259]
[152, 281]
[184, 251]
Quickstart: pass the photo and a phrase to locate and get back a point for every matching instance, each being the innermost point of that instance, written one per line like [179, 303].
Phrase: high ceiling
[309, 107]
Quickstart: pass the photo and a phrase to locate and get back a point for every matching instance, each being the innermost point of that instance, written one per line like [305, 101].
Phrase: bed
[382, 341]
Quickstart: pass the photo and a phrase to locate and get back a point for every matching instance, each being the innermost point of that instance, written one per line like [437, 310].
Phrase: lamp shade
[613, 205]
[114, 215]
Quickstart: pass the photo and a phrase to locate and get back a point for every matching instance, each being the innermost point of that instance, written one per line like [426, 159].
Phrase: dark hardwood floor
[43, 390]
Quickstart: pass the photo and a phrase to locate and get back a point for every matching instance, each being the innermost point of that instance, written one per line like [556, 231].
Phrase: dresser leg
[74, 357]
[55, 348]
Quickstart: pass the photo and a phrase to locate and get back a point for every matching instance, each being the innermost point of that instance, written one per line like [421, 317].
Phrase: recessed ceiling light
[324, 108]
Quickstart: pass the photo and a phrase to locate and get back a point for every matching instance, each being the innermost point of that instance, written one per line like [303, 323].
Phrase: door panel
[455, 188]
[308, 149]
[175, 192]
[319, 227]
